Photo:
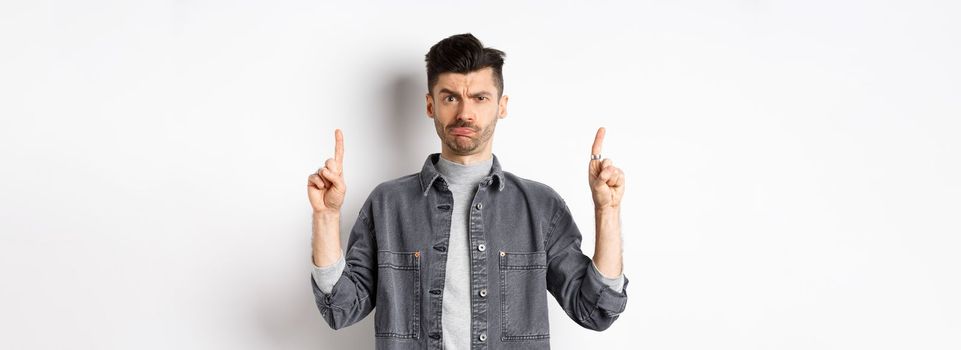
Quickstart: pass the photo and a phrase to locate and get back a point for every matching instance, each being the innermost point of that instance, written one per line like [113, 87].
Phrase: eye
[482, 98]
[450, 98]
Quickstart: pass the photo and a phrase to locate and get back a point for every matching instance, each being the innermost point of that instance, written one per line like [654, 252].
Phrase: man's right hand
[326, 188]
[326, 191]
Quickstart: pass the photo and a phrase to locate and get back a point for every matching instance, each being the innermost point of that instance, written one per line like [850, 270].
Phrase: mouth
[462, 131]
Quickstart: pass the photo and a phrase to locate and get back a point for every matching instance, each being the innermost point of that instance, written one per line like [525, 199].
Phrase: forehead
[481, 79]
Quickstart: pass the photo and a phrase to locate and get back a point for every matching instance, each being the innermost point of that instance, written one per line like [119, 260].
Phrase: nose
[465, 111]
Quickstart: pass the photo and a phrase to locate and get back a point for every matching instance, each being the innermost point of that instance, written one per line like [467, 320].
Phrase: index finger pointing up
[339, 146]
[598, 140]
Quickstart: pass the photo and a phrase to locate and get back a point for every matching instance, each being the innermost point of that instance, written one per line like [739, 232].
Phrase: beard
[464, 145]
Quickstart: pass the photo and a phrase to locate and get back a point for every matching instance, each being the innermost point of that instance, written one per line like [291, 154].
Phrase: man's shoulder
[409, 183]
[532, 189]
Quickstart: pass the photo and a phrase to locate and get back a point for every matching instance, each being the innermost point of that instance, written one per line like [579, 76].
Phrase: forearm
[326, 238]
[591, 299]
[608, 252]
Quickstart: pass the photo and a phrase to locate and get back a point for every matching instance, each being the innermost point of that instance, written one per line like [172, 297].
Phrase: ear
[502, 107]
[430, 106]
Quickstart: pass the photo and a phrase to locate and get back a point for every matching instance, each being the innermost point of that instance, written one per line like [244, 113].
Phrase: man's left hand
[606, 180]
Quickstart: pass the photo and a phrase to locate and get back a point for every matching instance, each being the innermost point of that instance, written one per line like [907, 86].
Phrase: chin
[462, 149]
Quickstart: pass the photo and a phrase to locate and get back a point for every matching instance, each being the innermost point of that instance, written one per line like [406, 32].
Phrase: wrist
[607, 210]
[326, 215]
[326, 226]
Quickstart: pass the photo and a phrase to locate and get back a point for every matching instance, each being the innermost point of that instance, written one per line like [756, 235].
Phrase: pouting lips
[462, 131]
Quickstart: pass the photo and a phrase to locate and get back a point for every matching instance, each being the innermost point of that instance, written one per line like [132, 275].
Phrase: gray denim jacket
[523, 241]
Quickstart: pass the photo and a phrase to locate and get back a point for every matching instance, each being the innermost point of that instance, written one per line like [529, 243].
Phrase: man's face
[465, 109]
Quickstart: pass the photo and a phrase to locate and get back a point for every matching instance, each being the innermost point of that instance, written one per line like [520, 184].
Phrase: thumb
[336, 180]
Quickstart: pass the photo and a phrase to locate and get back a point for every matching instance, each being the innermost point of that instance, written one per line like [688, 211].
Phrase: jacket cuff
[608, 299]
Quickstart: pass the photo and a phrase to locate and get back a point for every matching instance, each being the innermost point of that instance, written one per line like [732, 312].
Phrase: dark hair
[463, 53]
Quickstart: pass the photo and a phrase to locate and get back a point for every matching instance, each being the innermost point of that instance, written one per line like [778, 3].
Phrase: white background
[792, 167]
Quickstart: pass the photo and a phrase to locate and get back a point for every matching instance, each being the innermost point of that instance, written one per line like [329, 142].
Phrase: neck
[467, 159]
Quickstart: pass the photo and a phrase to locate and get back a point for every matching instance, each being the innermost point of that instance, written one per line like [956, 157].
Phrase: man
[459, 255]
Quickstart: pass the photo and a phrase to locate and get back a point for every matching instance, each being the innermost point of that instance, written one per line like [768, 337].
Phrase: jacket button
[440, 248]
[481, 247]
[435, 291]
[482, 337]
[479, 206]
[483, 292]
[435, 336]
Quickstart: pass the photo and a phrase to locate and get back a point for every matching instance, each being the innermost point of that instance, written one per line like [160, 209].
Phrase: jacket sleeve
[353, 295]
[578, 288]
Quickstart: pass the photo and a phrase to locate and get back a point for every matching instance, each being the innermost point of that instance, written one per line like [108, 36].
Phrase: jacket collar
[429, 173]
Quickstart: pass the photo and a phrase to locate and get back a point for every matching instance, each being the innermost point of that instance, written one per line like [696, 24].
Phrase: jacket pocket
[523, 296]
[398, 295]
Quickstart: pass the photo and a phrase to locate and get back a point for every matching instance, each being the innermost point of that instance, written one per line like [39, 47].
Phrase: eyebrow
[451, 92]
